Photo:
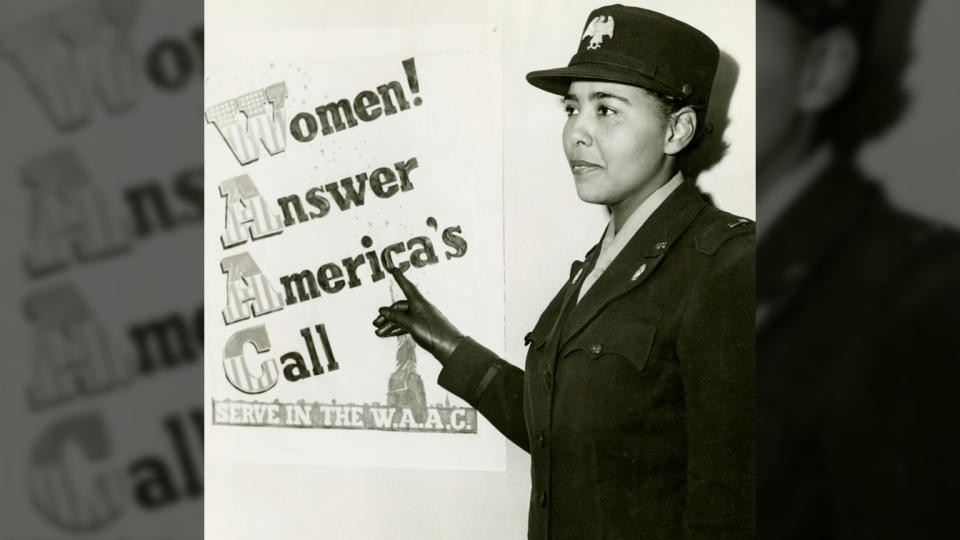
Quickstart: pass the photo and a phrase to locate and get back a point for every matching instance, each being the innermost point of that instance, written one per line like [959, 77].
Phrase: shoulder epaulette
[725, 227]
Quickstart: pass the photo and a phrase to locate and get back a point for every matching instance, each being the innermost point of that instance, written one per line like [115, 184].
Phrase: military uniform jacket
[637, 403]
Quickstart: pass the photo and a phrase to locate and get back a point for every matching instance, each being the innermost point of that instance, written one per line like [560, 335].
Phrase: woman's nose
[579, 132]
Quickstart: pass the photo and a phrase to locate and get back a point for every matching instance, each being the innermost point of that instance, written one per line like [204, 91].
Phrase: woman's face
[614, 139]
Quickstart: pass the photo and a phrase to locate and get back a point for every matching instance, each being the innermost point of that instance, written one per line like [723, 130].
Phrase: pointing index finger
[409, 289]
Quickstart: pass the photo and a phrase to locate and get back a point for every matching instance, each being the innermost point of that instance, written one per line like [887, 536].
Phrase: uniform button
[596, 348]
[542, 439]
[547, 379]
[687, 89]
[543, 498]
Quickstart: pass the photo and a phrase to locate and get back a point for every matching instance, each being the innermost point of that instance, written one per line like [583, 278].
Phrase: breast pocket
[620, 334]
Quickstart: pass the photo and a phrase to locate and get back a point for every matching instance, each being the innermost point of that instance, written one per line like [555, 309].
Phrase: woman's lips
[581, 166]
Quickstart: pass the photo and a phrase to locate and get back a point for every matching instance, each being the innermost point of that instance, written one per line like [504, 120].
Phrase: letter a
[247, 284]
[68, 211]
[235, 368]
[71, 354]
[246, 211]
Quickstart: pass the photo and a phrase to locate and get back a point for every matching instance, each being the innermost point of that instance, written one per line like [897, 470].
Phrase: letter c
[235, 368]
[456, 419]
[386, 257]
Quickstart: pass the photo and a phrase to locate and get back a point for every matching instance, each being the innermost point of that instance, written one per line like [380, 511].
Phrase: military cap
[639, 47]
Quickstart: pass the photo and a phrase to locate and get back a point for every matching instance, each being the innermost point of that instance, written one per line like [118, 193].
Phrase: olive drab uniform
[637, 403]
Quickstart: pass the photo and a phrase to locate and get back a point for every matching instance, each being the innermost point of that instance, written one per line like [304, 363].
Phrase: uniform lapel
[639, 258]
[570, 290]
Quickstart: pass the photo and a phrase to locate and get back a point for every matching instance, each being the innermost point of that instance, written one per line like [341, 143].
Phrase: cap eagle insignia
[600, 26]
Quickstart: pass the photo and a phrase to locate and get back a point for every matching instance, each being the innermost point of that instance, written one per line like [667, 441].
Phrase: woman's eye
[603, 110]
[570, 110]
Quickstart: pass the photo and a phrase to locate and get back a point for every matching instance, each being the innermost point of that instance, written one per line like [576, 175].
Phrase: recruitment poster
[332, 156]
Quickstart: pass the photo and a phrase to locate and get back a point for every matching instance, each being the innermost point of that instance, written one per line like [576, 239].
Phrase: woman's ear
[828, 70]
[681, 128]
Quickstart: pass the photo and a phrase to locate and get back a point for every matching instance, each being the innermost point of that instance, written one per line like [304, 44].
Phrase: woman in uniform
[637, 398]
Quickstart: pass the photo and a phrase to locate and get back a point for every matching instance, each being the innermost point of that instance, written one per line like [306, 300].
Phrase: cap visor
[557, 81]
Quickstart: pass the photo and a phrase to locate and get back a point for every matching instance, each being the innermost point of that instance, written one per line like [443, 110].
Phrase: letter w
[59, 52]
[262, 126]
[382, 418]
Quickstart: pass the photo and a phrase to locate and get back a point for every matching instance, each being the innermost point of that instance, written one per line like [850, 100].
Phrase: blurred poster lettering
[72, 220]
[68, 211]
[71, 354]
[79, 484]
[84, 51]
[106, 206]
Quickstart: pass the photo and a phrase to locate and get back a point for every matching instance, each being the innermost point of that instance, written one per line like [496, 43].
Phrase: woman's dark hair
[669, 105]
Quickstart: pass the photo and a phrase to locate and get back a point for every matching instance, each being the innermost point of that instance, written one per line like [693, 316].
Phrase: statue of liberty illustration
[405, 388]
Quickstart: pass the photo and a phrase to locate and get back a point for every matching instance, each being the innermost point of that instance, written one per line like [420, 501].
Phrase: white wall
[917, 159]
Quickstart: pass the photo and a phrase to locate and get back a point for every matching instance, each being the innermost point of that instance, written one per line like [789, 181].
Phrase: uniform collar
[641, 213]
[640, 257]
[613, 243]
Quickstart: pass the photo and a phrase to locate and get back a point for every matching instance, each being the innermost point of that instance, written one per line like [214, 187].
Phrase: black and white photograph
[666, 269]
[546, 214]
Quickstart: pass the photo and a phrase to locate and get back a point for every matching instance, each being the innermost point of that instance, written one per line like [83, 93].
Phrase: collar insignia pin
[639, 272]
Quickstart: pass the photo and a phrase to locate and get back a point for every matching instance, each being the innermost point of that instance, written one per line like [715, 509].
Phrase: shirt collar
[641, 214]
[613, 243]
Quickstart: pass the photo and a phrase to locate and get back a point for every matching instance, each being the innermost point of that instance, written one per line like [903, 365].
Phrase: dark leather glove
[421, 319]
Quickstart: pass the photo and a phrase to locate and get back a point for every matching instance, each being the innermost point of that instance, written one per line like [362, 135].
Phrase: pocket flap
[623, 334]
[535, 339]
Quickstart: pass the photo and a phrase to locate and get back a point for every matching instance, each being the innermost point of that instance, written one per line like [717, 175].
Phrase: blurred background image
[858, 298]
[102, 177]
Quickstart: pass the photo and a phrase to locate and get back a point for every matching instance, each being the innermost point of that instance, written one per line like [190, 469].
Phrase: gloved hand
[415, 315]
